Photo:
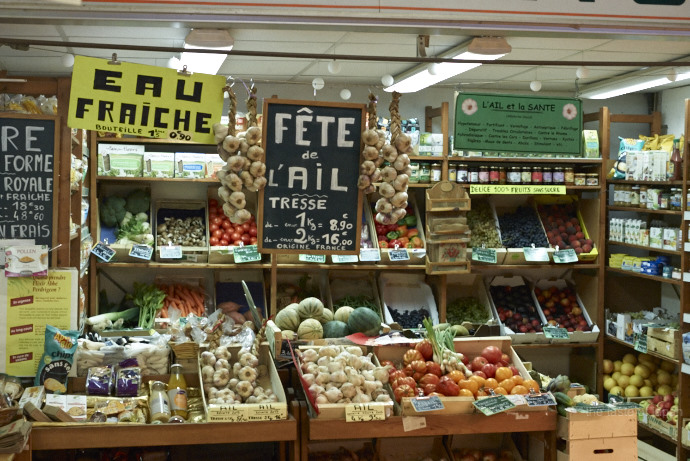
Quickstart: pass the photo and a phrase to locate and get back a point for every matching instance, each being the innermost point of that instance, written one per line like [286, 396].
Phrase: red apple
[515, 370]
[481, 373]
[492, 354]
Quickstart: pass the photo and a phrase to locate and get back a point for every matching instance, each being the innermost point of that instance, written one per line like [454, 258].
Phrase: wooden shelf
[613, 339]
[430, 158]
[642, 247]
[476, 423]
[148, 141]
[126, 179]
[656, 183]
[645, 427]
[649, 277]
[520, 267]
[540, 160]
[181, 265]
[644, 210]
[552, 345]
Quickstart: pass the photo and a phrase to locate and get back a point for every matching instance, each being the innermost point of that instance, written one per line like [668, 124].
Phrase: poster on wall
[524, 124]
[148, 101]
[27, 305]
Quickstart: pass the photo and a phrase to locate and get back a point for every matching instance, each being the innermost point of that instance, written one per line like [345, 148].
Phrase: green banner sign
[529, 124]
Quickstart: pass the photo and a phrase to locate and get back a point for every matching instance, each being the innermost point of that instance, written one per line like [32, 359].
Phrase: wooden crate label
[412, 423]
[266, 412]
[421, 404]
[556, 333]
[540, 400]
[319, 259]
[141, 252]
[247, 253]
[484, 255]
[364, 412]
[565, 256]
[369, 254]
[103, 251]
[170, 252]
[536, 254]
[493, 405]
[228, 413]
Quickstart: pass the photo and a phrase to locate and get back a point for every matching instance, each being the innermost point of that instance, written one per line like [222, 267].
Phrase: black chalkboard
[311, 204]
[27, 172]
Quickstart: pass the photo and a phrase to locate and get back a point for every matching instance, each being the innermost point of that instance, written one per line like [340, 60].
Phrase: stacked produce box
[447, 231]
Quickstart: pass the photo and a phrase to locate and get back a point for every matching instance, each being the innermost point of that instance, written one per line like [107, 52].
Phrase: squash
[288, 334]
[310, 329]
[293, 306]
[310, 308]
[364, 320]
[287, 319]
[327, 315]
[343, 313]
[335, 329]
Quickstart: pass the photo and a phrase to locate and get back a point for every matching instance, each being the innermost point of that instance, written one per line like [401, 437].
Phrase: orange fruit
[479, 380]
[490, 383]
[519, 389]
[456, 376]
[517, 379]
[465, 393]
[500, 390]
[503, 373]
[470, 385]
[507, 384]
[481, 393]
[531, 384]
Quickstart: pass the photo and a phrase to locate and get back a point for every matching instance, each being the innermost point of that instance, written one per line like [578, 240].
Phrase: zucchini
[561, 411]
[563, 399]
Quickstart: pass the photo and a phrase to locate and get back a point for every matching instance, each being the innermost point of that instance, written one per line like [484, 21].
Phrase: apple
[657, 398]
[505, 358]
[651, 409]
[481, 373]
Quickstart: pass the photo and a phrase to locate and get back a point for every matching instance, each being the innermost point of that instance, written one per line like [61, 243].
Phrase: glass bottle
[558, 175]
[569, 176]
[177, 391]
[547, 175]
[159, 405]
[514, 176]
[483, 174]
[473, 175]
[643, 197]
[675, 172]
[435, 172]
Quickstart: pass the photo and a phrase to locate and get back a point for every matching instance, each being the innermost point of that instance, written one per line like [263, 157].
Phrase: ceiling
[342, 40]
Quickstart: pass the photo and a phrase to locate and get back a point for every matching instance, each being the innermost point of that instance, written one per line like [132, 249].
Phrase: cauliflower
[587, 399]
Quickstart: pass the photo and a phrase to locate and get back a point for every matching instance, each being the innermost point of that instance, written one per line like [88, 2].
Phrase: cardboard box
[190, 165]
[405, 292]
[123, 160]
[517, 337]
[159, 165]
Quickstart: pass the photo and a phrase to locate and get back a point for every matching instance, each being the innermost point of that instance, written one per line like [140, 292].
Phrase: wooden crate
[664, 341]
[471, 286]
[411, 448]
[343, 283]
[599, 436]
[444, 225]
[182, 209]
[455, 267]
[493, 442]
[647, 452]
[417, 255]
[447, 196]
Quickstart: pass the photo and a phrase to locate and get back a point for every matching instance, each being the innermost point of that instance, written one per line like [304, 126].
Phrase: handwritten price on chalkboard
[336, 225]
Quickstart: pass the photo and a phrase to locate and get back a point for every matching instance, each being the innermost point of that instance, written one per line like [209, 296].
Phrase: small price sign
[319, 259]
[265, 412]
[364, 412]
[540, 400]
[141, 252]
[640, 342]
[399, 255]
[246, 254]
[565, 256]
[421, 404]
[103, 251]
[344, 259]
[369, 254]
[556, 333]
[536, 254]
[626, 406]
[484, 255]
[493, 405]
[228, 413]
[170, 252]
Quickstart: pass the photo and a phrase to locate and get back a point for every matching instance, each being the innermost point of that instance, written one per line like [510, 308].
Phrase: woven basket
[7, 415]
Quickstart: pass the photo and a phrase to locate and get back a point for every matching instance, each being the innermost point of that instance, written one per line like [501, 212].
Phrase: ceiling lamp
[206, 63]
[486, 48]
[630, 84]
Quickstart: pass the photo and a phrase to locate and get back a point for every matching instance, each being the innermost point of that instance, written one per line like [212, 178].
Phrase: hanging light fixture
[345, 94]
[68, 60]
[387, 80]
[318, 83]
[334, 67]
[206, 63]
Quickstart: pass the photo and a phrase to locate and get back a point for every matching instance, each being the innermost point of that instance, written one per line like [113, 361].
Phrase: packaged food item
[56, 361]
[127, 379]
[99, 380]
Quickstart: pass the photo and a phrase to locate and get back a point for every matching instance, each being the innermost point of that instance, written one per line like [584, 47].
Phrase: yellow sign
[148, 101]
[31, 304]
[516, 189]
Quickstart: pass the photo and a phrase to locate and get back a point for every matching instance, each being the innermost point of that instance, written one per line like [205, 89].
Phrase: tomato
[226, 224]
[492, 353]
[246, 226]
[236, 235]
[224, 242]
[429, 388]
[409, 380]
[419, 366]
[214, 241]
[395, 374]
[238, 243]
[212, 202]
[245, 238]
[412, 355]
[408, 370]
[447, 387]
[253, 240]
[425, 348]
[226, 236]
[217, 220]
[253, 231]
[213, 227]
[455, 375]
[217, 233]
[212, 212]
[429, 379]
[433, 368]
[403, 391]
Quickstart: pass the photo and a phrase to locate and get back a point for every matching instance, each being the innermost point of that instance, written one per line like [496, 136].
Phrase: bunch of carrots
[187, 299]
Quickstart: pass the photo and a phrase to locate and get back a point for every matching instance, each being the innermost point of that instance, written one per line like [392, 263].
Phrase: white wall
[673, 109]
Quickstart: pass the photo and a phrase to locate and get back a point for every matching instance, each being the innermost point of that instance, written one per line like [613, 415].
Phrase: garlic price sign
[311, 203]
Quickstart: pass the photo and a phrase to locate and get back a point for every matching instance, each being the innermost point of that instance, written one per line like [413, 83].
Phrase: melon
[343, 313]
[288, 334]
[310, 329]
[287, 319]
[327, 315]
[310, 308]
[364, 320]
[335, 329]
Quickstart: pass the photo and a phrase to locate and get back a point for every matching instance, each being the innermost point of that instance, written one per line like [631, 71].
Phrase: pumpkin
[335, 329]
[310, 329]
[343, 313]
[310, 308]
[364, 320]
[327, 315]
[288, 334]
[287, 319]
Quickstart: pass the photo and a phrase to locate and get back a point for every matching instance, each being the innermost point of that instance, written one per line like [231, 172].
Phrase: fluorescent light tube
[206, 63]
[421, 78]
[629, 85]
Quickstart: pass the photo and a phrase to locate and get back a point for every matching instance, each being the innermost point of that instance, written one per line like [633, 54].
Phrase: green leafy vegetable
[467, 309]
[149, 299]
[138, 201]
[112, 210]
[100, 322]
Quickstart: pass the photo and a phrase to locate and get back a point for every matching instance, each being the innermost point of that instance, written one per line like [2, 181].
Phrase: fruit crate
[564, 200]
[444, 225]
[501, 252]
[228, 288]
[509, 204]
[417, 255]
[343, 283]
[598, 436]
[182, 209]
[664, 341]
[542, 304]
[341, 449]
[447, 196]
[406, 292]
[499, 444]
[518, 337]
[475, 287]
[661, 426]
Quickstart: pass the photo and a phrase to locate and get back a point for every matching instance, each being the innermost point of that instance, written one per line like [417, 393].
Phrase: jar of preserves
[435, 172]
[547, 175]
[537, 175]
[592, 179]
[558, 175]
[502, 175]
[635, 196]
[676, 195]
[414, 172]
[452, 173]
[569, 175]
[626, 195]
[462, 173]
[514, 175]
[643, 196]
[580, 179]
[424, 173]
[664, 200]
[473, 177]
[493, 175]
[159, 405]
[526, 175]
[483, 174]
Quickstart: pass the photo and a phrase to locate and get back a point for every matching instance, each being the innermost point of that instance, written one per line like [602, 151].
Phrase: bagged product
[57, 359]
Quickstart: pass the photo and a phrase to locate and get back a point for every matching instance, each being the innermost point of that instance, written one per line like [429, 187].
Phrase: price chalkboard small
[493, 405]
[540, 400]
[399, 255]
[421, 404]
[246, 254]
[141, 252]
[484, 255]
[640, 342]
[103, 251]
[556, 333]
[565, 256]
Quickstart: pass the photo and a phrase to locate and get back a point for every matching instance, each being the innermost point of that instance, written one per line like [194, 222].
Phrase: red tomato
[236, 235]
[253, 231]
[245, 238]
[253, 240]
[246, 226]
[226, 224]
[217, 220]
[224, 242]
[213, 241]
[212, 202]
[212, 227]
[217, 233]
[238, 243]
[211, 213]
[227, 236]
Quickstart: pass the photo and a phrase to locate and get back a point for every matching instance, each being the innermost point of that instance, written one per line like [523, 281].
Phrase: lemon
[617, 365]
[627, 369]
[630, 358]
[610, 384]
[646, 391]
[632, 391]
[642, 371]
[637, 381]
[624, 381]
[608, 366]
[616, 390]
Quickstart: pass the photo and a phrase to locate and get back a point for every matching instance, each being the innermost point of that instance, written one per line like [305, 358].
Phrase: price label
[565, 256]
[399, 255]
[536, 254]
[141, 252]
[493, 405]
[103, 251]
[540, 400]
[626, 406]
[266, 412]
[228, 413]
[413, 423]
[369, 254]
[640, 342]
[319, 259]
[170, 252]
[421, 404]
[246, 254]
[484, 255]
[601, 408]
[344, 259]
[364, 412]
[556, 333]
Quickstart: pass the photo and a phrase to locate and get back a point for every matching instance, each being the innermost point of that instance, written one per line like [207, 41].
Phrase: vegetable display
[222, 232]
[149, 299]
[467, 309]
[188, 299]
[181, 231]
[403, 233]
[129, 215]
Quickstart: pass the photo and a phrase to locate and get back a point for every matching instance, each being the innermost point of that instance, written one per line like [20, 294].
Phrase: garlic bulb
[333, 395]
